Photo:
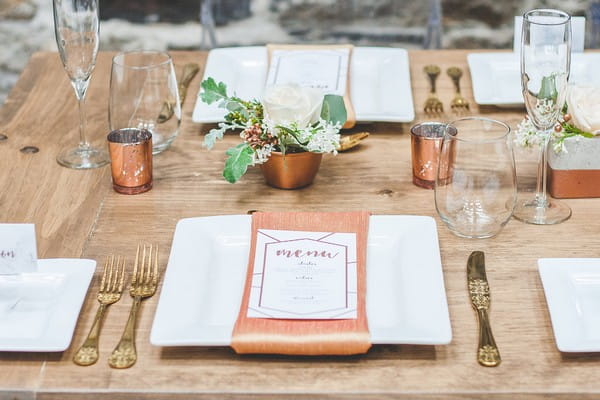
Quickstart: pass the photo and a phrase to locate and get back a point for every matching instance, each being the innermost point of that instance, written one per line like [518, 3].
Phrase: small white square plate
[572, 288]
[496, 77]
[379, 82]
[39, 311]
[202, 289]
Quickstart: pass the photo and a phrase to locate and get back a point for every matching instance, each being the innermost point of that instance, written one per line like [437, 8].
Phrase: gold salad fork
[433, 105]
[458, 104]
[143, 285]
[111, 287]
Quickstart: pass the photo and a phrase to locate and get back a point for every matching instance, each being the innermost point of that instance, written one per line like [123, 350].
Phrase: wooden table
[77, 214]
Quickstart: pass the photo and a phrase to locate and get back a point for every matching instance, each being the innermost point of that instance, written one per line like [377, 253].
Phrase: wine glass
[76, 29]
[545, 67]
[144, 95]
[476, 184]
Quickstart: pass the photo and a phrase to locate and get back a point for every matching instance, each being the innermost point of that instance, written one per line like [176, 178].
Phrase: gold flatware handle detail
[88, 352]
[189, 72]
[349, 141]
[487, 353]
[125, 354]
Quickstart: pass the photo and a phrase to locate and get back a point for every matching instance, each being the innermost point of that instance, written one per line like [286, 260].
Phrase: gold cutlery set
[144, 281]
[433, 105]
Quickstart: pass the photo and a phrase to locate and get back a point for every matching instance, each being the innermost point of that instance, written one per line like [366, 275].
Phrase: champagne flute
[545, 67]
[76, 28]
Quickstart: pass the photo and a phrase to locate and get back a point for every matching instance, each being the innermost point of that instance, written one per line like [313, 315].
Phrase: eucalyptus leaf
[548, 89]
[236, 165]
[333, 109]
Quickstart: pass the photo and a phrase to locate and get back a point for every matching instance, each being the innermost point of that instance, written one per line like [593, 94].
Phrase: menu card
[325, 69]
[304, 275]
[18, 252]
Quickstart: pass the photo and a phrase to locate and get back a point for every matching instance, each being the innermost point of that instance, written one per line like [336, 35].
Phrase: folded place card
[18, 252]
[304, 275]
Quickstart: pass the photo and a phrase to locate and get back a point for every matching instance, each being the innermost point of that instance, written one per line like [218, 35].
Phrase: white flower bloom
[583, 104]
[527, 135]
[288, 104]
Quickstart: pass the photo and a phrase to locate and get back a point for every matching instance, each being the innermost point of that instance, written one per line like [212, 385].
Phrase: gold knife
[479, 290]
[189, 72]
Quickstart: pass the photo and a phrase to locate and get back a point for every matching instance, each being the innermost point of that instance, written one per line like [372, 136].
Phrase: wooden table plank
[83, 216]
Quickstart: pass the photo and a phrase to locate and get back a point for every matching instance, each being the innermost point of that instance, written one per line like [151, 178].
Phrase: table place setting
[40, 299]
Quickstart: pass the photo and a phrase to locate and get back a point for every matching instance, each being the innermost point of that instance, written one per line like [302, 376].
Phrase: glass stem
[83, 143]
[540, 188]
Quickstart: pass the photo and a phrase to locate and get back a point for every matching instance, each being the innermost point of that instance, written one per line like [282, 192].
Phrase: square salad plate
[380, 86]
[203, 285]
[572, 288]
[39, 310]
[496, 77]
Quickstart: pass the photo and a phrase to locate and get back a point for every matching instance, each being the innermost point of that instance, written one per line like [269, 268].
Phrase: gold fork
[111, 287]
[143, 285]
[433, 105]
[458, 104]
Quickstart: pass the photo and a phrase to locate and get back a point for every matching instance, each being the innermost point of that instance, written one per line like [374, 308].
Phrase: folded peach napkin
[303, 336]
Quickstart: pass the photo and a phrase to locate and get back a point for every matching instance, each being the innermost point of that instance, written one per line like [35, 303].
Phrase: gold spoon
[349, 141]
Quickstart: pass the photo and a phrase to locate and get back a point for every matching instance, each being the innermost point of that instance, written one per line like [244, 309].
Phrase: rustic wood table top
[77, 214]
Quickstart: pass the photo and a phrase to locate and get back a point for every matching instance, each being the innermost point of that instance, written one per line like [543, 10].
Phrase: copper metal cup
[426, 141]
[131, 160]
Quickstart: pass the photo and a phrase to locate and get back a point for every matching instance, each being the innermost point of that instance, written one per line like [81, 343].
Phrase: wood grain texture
[78, 214]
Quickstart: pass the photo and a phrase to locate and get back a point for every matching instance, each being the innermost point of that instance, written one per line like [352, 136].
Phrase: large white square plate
[379, 81]
[39, 311]
[572, 287]
[496, 77]
[203, 284]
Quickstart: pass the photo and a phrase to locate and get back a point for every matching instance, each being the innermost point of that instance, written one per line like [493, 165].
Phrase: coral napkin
[306, 337]
[351, 115]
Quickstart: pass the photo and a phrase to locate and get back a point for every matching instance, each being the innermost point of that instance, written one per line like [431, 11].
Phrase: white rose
[291, 103]
[583, 104]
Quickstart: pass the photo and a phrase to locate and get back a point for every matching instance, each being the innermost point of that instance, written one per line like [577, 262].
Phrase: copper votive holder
[426, 142]
[131, 160]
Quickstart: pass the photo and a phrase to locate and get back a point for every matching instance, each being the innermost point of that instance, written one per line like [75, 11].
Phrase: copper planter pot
[291, 171]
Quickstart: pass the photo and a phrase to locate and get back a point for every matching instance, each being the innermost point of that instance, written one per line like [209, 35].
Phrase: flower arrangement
[289, 119]
[581, 118]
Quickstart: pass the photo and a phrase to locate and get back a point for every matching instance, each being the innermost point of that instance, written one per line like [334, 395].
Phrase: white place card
[304, 275]
[322, 69]
[18, 252]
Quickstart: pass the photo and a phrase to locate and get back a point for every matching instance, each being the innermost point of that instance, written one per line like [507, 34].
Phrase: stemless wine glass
[545, 67]
[476, 184]
[144, 95]
[76, 30]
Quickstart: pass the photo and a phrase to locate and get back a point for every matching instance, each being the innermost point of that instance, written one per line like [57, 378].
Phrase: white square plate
[572, 287]
[204, 281]
[497, 76]
[39, 311]
[379, 81]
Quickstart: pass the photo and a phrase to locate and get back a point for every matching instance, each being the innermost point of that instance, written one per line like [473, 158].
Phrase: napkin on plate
[306, 337]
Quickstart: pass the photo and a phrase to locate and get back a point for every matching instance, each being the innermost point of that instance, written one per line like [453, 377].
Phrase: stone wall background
[26, 26]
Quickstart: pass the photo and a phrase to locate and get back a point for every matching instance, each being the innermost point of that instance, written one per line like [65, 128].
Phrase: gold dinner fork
[111, 287]
[143, 285]
[458, 104]
[433, 105]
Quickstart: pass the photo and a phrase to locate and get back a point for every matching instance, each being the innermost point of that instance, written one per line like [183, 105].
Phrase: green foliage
[548, 89]
[333, 109]
[236, 165]
[213, 91]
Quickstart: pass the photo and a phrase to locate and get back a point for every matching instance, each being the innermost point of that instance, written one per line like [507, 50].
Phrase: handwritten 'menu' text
[299, 253]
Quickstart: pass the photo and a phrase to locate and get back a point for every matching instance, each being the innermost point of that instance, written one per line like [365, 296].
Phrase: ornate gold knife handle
[88, 352]
[487, 354]
[125, 354]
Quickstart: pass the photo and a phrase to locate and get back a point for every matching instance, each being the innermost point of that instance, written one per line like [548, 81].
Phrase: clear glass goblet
[76, 28]
[144, 95]
[545, 67]
[476, 184]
